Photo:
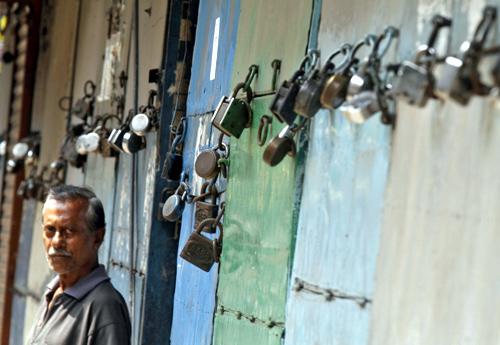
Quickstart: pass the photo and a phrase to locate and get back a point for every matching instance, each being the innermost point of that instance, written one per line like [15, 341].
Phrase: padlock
[173, 207]
[281, 145]
[207, 163]
[87, 143]
[147, 120]
[172, 166]
[415, 81]
[307, 102]
[68, 149]
[116, 136]
[284, 100]
[133, 143]
[14, 165]
[163, 199]
[84, 107]
[283, 103]
[103, 133]
[334, 92]
[201, 251]
[367, 76]
[361, 107]
[233, 115]
[206, 209]
[459, 77]
[20, 150]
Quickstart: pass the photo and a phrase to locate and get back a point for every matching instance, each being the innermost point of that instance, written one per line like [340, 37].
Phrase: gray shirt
[91, 312]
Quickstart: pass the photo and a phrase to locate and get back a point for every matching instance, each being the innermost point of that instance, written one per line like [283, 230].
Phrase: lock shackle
[265, 126]
[388, 36]
[309, 61]
[253, 70]
[367, 41]
[211, 222]
[345, 50]
[89, 89]
[438, 22]
[180, 134]
[484, 26]
[163, 192]
[247, 89]
[106, 117]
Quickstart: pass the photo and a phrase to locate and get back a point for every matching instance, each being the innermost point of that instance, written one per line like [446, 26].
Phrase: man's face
[71, 247]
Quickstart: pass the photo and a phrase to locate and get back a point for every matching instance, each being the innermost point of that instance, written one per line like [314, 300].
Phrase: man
[81, 306]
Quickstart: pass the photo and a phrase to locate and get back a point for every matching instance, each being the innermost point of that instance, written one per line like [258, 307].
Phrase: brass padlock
[174, 206]
[335, 89]
[201, 251]
[280, 146]
[233, 115]
[208, 163]
[204, 209]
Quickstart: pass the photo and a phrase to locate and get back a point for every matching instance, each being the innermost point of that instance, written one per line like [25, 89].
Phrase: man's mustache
[58, 252]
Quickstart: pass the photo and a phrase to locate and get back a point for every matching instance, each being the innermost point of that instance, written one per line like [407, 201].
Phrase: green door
[259, 221]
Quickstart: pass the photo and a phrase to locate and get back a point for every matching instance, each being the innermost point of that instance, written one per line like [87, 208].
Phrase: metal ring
[60, 103]
[264, 129]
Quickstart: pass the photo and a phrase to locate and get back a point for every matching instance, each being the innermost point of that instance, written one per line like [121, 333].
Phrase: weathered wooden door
[215, 41]
[259, 225]
[332, 283]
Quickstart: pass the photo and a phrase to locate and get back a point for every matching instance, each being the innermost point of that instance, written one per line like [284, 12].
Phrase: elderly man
[81, 306]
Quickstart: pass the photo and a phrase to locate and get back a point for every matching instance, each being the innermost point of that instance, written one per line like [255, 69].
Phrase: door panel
[258, 224]
[194, 301]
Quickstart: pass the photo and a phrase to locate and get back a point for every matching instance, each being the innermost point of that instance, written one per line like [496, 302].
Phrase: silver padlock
[459, 77]
[174, 205]
[20, 150]
[147, 120]
[361, 107]
[87, 143]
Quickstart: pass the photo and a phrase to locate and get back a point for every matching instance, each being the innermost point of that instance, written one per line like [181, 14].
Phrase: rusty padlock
[206, 209]
[207, 163]
[201, 251]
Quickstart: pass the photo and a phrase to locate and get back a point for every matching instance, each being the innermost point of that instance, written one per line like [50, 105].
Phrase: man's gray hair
[95, 211]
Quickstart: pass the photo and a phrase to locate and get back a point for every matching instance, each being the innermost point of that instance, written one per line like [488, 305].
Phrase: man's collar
[83, 286]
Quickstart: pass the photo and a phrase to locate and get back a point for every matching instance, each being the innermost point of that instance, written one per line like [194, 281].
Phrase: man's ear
[99, 237]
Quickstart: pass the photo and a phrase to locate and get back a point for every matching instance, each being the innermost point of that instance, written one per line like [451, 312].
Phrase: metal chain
[240, 315]
[329, 294]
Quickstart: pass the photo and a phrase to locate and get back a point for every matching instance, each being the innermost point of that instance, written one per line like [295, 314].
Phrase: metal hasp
[259, 248]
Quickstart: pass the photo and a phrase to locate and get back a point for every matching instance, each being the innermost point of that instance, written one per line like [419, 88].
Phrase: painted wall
[194, 300]
[437, 276]
[258, 225]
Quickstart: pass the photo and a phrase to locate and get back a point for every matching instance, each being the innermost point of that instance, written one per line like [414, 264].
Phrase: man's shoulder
[106, 306]
[104, 294]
